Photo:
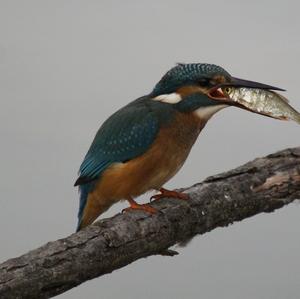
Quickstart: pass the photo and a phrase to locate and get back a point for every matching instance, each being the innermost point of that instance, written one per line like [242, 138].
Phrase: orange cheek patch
[220, 79]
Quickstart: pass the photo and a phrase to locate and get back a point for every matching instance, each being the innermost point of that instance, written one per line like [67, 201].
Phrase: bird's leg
[168, 193]
[135, 206]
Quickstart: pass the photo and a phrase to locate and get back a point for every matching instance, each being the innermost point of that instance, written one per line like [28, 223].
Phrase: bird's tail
[84, 191]
[91, 205]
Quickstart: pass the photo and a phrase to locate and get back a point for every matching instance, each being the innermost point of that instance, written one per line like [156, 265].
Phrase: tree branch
[262, 185]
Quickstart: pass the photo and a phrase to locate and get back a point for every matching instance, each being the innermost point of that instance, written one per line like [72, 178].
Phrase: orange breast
[154, 168]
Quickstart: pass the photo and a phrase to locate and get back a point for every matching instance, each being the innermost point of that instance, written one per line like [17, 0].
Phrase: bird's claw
[169, 193]
[144, 207]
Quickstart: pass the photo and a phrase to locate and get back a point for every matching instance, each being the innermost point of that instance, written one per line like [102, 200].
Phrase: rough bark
[262, 185]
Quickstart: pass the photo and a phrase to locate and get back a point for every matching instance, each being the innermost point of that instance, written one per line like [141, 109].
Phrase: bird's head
[199, 87]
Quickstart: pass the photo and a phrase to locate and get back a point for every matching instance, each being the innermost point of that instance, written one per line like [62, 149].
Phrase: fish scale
[263, 102]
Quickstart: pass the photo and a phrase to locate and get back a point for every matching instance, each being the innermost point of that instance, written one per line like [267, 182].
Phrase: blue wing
[125, 135]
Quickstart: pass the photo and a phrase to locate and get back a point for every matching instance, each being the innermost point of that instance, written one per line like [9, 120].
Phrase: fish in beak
[255, 97]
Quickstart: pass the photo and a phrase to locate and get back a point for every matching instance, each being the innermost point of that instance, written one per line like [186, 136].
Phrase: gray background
[65, 66]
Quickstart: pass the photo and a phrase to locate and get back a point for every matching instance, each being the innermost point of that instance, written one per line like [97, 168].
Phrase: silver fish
[263, 101]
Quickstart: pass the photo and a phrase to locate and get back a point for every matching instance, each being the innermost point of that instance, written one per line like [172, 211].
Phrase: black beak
[251, 84]
[216, 93]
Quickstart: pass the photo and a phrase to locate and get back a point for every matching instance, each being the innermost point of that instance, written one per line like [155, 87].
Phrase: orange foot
[167, 193]
[135, 206]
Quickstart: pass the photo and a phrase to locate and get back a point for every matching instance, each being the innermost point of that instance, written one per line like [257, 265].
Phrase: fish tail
[297, 118]
[294, 115]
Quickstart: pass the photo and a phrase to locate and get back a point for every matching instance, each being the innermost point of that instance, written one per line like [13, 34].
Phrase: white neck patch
[171, 98]
[205, 113]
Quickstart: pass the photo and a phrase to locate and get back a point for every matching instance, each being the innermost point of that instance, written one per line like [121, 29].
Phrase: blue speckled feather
[184, 74]
[125, 135]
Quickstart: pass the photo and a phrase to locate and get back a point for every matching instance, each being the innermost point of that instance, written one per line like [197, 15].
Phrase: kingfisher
[144, 144]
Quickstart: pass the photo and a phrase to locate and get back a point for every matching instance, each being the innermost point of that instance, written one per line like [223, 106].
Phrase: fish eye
[227, 89]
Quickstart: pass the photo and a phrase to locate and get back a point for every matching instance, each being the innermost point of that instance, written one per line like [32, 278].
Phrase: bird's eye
[204, 82]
